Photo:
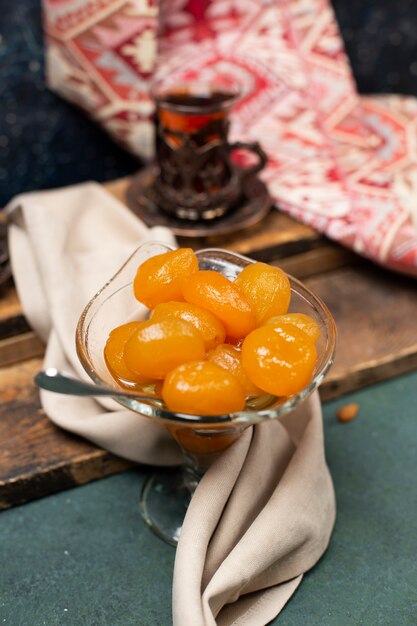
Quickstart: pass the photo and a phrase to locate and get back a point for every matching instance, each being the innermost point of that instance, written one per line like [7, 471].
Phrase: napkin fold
[64, 246]
[263, 513]
[261, 517]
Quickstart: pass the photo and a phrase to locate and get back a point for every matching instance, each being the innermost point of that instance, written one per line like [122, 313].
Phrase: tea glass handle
[251, 147]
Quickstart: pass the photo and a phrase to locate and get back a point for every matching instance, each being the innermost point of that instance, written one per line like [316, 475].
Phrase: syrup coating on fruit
[302, 321]
[211, 344]
[202, 388]
[214, 292]
[266, 288]
[279, 359]
[207, 324]
[114, 353]
[156, 348]
[160, 278]
[229, 358]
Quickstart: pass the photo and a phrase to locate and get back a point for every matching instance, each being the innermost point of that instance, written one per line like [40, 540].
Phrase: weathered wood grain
[118, 187]
[274, 237]
[375, 313]
[20, 348]
[12, 321]
[277, 236]
[24, 344]
[323, 259]
[298, 248]
[36, 457]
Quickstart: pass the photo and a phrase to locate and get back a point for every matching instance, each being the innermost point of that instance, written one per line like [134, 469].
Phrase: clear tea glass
[198, 179]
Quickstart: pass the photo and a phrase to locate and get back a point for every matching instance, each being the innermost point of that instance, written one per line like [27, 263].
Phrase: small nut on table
[347, 412]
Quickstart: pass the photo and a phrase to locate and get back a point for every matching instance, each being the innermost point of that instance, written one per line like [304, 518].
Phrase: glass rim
[195, 88]
[246, 416]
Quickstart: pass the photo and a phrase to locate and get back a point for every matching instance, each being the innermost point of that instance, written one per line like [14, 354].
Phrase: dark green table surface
[83, 557]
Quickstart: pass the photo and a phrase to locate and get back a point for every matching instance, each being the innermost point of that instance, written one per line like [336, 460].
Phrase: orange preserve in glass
[217, 343]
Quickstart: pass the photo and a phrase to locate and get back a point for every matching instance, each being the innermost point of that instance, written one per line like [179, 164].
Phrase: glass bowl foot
[163, 503]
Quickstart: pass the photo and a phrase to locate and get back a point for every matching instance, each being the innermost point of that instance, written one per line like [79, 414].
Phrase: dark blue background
[45, 142]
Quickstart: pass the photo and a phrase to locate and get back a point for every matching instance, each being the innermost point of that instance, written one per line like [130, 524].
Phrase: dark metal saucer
[142, 200]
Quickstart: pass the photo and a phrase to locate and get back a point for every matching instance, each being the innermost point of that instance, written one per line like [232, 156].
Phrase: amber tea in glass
[198, 179]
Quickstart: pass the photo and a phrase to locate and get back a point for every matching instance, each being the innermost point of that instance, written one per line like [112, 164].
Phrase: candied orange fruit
[266, 288]
[302, 321]
[229, 358]
[114, 353]
[156, 348]
[160, 278]
[211, 343]
[207, 324]
[214, 292]
[202, 388]
[279, 359]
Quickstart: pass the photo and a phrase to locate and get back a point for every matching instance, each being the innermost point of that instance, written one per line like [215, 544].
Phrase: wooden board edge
[27, 345]
[63, 476]
[369, 373]
[317, 261]
[272, 251]
[13, 325]
[100, 463]
[20, 348]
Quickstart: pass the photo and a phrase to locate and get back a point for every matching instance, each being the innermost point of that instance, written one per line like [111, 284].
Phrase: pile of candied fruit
[211, 344]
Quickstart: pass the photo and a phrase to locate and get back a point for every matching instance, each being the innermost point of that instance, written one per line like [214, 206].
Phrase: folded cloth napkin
[64, 246]
[261, 516]
[263, 513]
[338, 162]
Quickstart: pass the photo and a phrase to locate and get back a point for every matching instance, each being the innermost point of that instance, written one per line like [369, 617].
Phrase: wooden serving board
[375, 312]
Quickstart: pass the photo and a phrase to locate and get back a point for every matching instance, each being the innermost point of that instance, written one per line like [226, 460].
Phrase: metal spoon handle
[52, 379]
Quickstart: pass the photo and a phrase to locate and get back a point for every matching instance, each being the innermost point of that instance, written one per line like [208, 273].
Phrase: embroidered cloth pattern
[342, 163]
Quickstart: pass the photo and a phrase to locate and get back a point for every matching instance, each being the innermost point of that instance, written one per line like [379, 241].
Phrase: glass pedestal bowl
[166, 494]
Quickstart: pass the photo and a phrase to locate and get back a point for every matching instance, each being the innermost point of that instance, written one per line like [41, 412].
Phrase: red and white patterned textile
[344, 164]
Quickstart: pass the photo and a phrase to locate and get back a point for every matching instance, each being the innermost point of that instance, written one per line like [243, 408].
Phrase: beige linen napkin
[263, 513]
[261, 517]
[64, 246]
